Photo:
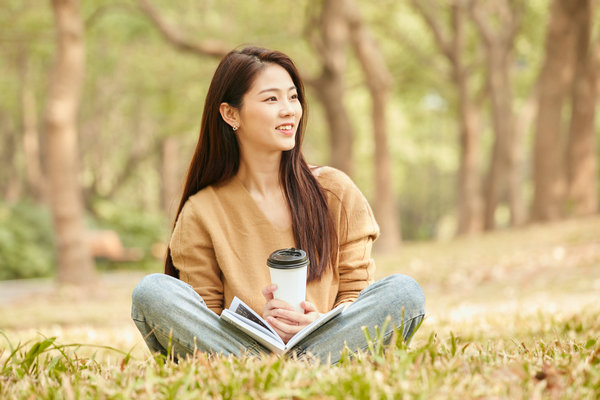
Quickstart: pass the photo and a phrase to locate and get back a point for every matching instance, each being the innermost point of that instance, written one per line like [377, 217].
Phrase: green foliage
[59, 365]
[139, 231]
[26, 241]
[135, 227]
[139, 90]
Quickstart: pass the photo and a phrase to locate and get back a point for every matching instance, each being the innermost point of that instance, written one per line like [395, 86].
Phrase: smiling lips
[286, 129]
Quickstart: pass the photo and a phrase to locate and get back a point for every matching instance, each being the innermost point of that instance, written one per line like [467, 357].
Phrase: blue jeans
[170, 314]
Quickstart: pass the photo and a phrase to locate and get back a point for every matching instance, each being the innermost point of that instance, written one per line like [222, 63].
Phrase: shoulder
[341, 190]
[336, 181]
[200, 199]
[348, 202]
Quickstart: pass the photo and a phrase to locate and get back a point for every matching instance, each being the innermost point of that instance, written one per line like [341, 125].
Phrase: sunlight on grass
[513, 314]
[561, 358]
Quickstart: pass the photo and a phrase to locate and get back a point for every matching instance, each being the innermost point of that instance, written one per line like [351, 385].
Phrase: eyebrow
[276, 90]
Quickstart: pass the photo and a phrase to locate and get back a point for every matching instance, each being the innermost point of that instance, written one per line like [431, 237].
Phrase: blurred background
[454, 117]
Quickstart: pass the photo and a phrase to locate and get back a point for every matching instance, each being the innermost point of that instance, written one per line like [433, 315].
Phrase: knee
[150, 288]
[407, 291]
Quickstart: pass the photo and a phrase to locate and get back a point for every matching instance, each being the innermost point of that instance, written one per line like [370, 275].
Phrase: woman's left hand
[286, 321]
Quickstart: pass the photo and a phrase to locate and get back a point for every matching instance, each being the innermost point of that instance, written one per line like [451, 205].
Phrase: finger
[287, 329]
[277, 303]
[294, 317]
[273, 308]
[284, 336]
[285, 320]
[308, 307]
[267, 309]
[268, 290]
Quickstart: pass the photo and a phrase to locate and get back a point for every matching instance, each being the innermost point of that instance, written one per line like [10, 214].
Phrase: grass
[513, 314]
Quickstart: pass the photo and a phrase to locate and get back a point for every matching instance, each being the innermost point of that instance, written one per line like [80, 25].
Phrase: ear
[230, 114]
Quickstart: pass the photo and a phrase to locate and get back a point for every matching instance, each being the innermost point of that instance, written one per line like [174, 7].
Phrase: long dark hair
[217, 157]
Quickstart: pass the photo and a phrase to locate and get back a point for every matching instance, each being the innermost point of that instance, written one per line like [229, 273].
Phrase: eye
[272, 98]
[294, 96]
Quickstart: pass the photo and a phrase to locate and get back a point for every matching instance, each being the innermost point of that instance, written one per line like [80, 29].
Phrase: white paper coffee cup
[288, 269]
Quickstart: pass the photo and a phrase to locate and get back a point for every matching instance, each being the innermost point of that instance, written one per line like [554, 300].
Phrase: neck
[260, 175]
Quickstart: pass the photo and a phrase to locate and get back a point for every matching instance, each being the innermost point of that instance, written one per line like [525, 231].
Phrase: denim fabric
[169, 313]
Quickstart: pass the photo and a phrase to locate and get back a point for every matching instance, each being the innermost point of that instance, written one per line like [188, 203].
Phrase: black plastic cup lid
[288, 259]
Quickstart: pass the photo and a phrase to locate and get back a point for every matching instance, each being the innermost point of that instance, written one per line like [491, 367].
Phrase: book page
[254, 325]
[273, 343]
[239, 308]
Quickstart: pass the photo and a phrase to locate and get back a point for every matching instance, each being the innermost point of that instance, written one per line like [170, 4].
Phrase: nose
[287, 109]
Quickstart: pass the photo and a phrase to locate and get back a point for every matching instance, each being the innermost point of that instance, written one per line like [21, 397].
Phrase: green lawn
[513, 314]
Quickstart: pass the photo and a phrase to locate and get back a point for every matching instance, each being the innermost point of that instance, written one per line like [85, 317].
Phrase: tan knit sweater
[222, 239]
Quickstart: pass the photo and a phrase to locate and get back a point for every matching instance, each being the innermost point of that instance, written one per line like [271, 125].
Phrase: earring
[235, 127]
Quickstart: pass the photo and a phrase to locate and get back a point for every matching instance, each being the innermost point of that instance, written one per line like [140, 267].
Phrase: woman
[249, 192]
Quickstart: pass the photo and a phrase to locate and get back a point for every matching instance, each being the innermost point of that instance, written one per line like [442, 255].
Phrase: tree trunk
[554, 80]
[469, 182]
[523, 122]
[502, 180]
[379, 81]
[452, 47]
[75, 264]
[582, 163]
[330, 45]
[329, 90]
[469, 202]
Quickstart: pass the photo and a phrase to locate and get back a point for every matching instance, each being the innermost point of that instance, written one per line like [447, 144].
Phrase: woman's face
[270, 112]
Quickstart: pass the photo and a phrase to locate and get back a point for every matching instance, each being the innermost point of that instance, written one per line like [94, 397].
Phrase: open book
[248, 321]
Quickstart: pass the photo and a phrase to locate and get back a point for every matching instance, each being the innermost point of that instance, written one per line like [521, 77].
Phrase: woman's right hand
[283, 317]
[273, 304]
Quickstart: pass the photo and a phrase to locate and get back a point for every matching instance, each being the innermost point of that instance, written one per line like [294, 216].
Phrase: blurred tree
[327, 31]
[75, 264]
[23, 50]
[498, 24]
[554, 81]
[582, 156]
[206, 47]
[169, 145]
[452, 41]
[379, 81]
[141, 101]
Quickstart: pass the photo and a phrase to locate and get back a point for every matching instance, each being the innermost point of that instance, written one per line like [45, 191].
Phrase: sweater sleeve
[194, 256]
[357, 234]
